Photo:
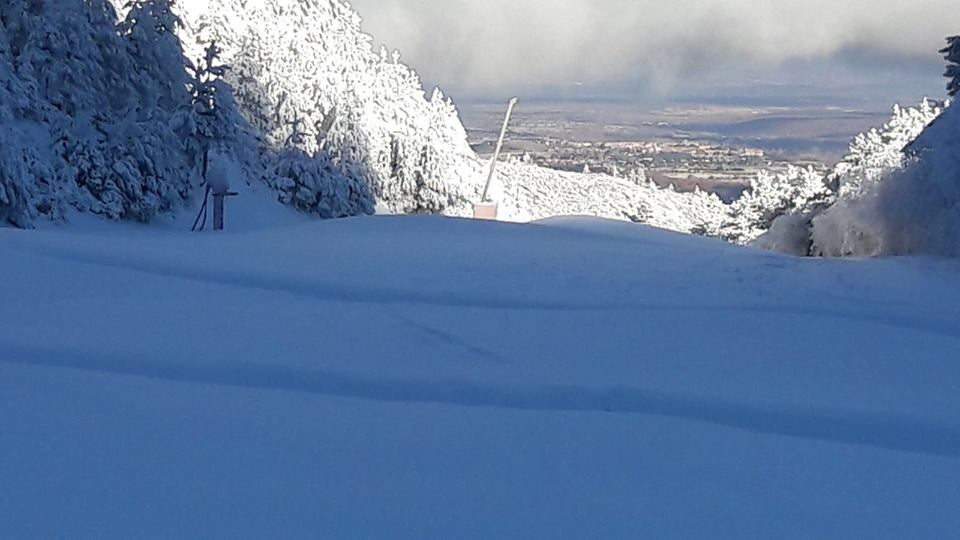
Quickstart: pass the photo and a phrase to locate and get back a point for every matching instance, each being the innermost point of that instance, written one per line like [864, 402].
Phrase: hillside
[118, 114]
[304, 74]
[530, 193]
[284, 94]
[127, 114]
[318, 371]
[414, 377]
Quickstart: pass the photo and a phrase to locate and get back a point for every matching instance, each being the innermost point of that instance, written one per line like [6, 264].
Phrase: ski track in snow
[883, 431]
[354, 293]
[450, 339]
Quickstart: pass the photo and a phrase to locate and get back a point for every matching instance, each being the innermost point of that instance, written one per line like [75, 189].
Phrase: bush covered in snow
[897, 192]
[880, 150]
[778, 209]
[873, 156]
[771, 196]
[908, 210]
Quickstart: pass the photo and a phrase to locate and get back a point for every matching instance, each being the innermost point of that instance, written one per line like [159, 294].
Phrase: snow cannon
[487, 209]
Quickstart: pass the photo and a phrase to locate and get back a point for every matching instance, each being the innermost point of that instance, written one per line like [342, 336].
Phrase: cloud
[487, 46]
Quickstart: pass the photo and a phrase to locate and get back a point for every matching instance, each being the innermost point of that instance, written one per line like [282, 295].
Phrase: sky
[648, 50]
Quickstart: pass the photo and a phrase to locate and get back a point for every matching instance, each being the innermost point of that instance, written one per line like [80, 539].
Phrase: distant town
[685, 164]
[689, 150]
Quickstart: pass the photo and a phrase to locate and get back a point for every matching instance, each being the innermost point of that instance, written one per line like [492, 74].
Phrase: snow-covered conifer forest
[109, 109]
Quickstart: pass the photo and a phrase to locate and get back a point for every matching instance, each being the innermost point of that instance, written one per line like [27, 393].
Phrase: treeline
[115, 110]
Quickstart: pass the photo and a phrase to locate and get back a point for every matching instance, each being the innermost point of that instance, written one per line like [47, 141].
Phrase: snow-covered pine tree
[311, 183]
[952, 54]
[104, 112]
[15, 183]
[209, 125]
[151, 28]
[310, 60]
[28, 182]
[98, 114]
[797, 191]
[873, 156]
[913, 209]
[875, 152]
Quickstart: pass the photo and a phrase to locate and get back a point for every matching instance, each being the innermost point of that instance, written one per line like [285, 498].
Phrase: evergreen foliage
[307, 66]
[771, 196]
[873, 157]
[952, 54]
[105, 114]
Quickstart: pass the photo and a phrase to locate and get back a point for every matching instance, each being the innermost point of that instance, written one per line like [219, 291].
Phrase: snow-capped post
[218, 180]
[487, 209]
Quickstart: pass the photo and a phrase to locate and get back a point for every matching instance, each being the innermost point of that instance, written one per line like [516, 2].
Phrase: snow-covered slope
[530, 193]
[427, 377]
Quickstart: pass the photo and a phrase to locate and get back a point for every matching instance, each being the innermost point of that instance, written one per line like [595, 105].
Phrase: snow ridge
[889, 432]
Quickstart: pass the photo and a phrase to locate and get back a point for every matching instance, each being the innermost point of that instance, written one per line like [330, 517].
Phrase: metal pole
[496, 153]
[218, 211]
[218, 203]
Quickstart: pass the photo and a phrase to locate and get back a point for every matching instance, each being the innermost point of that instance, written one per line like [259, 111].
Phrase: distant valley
[717, 148]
